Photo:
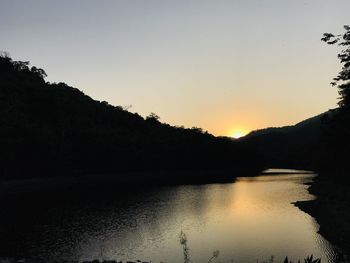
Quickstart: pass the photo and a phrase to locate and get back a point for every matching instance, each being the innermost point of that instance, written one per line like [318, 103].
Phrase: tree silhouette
[153, 117]
[342, 80]
[54, 129]
[336, 127]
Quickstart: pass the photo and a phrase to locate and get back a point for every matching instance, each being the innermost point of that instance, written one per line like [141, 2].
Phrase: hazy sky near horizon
[220, 65]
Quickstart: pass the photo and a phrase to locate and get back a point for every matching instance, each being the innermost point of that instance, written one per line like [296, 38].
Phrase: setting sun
[238, 134]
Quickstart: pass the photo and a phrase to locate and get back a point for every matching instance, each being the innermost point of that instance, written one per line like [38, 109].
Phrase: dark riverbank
[115, 182]
[331, 209]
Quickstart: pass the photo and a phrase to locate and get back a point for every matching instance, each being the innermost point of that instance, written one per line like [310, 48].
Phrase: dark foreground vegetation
[331, 208]
[52, 129]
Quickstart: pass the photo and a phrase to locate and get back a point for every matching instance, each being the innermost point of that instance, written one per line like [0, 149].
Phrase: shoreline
[331, 210]
[117, 182]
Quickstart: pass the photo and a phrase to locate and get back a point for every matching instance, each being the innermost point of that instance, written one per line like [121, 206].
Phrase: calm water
[250, 219]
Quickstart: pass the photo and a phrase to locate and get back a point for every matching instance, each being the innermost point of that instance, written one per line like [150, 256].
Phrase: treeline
[53, 129]
[334, 158]
[321, 143]
[295, 147]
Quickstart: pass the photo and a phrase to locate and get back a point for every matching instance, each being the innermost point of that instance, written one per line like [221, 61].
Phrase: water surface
[248, 220]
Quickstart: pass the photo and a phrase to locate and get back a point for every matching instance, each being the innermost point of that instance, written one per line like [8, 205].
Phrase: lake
[246, 220]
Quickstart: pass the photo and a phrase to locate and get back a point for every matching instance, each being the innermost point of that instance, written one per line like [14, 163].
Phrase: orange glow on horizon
[238, 133]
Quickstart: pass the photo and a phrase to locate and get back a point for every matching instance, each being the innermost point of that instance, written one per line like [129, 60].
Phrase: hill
[52, 129]
[296, 146]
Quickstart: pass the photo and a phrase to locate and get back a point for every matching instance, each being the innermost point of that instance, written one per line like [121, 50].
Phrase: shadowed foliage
[331, 208]
[54, 129]
[289, 146]
[337, 126]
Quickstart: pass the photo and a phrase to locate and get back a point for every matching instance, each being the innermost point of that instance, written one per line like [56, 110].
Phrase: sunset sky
[225, 66]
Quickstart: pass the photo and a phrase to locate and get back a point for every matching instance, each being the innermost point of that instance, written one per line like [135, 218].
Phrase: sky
[228, 67]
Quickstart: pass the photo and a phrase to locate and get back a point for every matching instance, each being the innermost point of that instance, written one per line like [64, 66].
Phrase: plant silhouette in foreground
[310, 259]
[216, 253]
[183, 242]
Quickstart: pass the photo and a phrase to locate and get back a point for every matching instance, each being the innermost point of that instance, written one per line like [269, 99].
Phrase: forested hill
[311, 125]
[53, 129]
[295, 146]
